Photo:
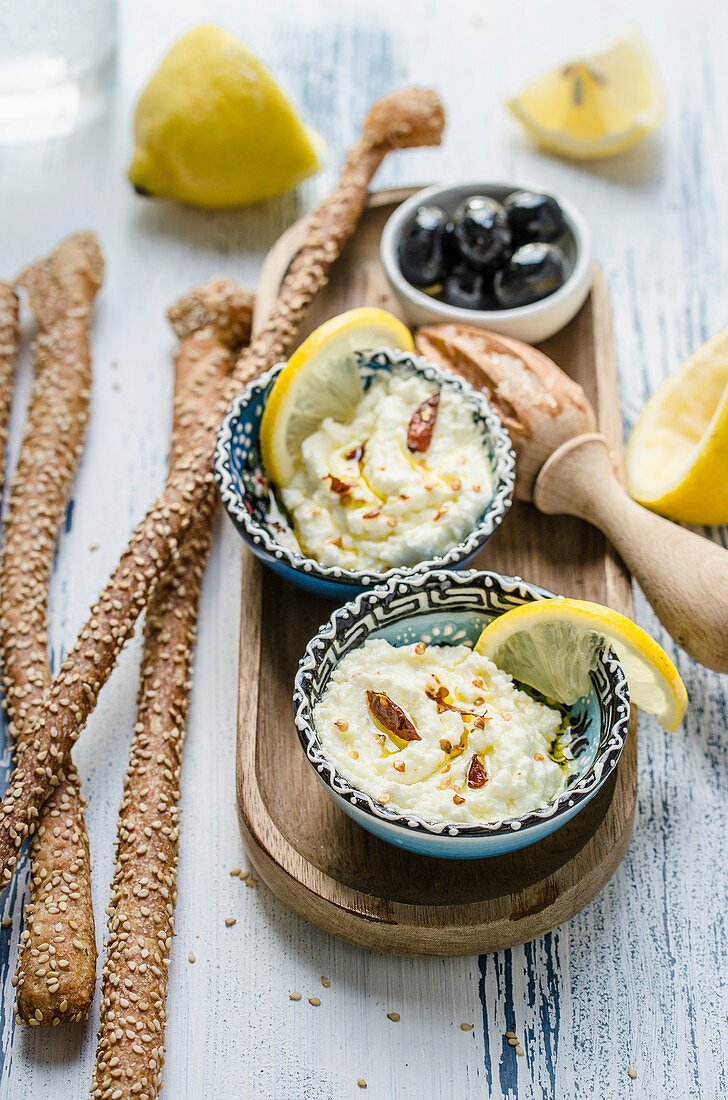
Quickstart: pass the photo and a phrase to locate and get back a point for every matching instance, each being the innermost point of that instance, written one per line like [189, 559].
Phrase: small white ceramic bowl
[529, 323]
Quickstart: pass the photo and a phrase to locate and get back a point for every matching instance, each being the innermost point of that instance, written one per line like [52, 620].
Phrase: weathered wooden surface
[639, 976]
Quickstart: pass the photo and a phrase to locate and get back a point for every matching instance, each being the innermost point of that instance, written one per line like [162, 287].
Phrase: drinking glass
[57, 62]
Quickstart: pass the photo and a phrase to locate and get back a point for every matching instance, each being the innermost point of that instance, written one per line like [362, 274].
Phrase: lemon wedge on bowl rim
[595, 105]
[677, 457]
[322, 379]
[552, 645]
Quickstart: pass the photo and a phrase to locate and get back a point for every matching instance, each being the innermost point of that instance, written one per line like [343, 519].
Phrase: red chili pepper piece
[422, 424]
[391, 717]
[439, 700]
[477, 776]
[341, 488]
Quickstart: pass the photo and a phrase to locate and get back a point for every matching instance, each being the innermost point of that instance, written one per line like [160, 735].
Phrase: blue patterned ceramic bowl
[451, 608]
[253, 508]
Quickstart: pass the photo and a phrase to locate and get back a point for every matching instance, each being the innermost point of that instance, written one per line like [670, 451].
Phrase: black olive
[533, 217]
[451, 248]
[468, 289]
[421, 253]
[482, 231]
[533, 272]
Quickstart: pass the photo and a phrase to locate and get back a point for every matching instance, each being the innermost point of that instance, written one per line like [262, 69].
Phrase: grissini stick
[130, 1050]
[58, 984]
[9, 338]
[407, 118]
[565, 467]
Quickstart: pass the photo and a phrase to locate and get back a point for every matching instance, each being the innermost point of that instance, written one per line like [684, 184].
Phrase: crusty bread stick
[8, 360]
[412, 117]
[57, 960]
[130, 1049]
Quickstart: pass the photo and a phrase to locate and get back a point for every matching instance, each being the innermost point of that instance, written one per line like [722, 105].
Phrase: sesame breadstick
[9, 339]
[408, 118]
[130, 1049]
[57, 958]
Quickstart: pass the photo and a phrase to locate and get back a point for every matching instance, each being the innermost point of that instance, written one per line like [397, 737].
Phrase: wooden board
[307, 850]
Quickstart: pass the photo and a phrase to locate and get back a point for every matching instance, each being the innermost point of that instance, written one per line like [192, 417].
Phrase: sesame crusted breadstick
[408, 118]
[57, 959]
[8, 358]
[130, 1050]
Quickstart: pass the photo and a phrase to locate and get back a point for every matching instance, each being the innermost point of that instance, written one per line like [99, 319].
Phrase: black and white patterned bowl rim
[502, 461]
[349, 627]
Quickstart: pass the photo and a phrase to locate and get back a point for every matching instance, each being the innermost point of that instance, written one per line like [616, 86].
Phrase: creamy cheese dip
[486, 760]
[361, 499]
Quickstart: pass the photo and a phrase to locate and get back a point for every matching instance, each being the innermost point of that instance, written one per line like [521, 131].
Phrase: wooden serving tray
[307, 850]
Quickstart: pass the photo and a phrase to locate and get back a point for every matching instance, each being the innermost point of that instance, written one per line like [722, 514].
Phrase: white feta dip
[360, 498]
[439, 731]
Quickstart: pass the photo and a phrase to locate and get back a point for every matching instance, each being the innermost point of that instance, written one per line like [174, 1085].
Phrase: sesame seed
[361, 1082]
[294, 996]
[192, 957]
[511, 1035]
[235, 872]
[394, 1017]
[7, 921]
[325, 982]
[230, 921]
[513, 1041]
[251, 882]
[520, 1051]
[315, 1001]
[632, 1072]
[466, 1027]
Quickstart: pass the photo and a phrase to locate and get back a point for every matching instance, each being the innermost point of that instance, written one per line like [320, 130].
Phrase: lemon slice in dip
[677, 456]
[552, 645]
[322, 379]
[595, 105]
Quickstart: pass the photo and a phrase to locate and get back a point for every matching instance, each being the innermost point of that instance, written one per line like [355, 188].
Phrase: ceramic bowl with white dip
[447, 608]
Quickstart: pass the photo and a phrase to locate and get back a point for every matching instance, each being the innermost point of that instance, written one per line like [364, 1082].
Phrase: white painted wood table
[639, 977]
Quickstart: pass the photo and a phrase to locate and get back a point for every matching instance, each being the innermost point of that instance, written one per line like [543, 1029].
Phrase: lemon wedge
[596, 105]
[677, 457]
[552, 645]
[322, 379]
[213, 129]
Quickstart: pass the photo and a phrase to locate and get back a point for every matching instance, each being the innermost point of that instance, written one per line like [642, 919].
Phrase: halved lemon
[677, 457]
[595, 105]
[552, 645]
[322, 379]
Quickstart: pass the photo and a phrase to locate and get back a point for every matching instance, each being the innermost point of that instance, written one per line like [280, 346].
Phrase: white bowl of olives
[510, 257]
